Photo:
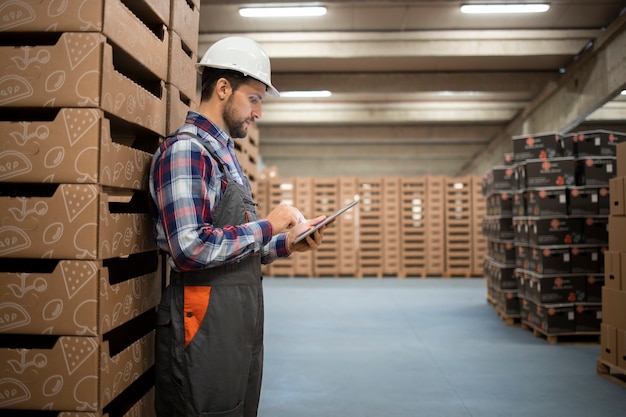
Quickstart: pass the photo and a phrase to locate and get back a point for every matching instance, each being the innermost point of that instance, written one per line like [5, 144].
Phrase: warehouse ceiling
[420, 88]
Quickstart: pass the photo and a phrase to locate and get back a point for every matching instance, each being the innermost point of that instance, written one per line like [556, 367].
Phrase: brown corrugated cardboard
[75, 373]
[618, 196]
[78, 71]
[77, 298]
[612, 269]
[76, 222]
[110, 17]
[620, 150]
[621, 349]
[185, 20]
[76, 147]
[617, 231]
[614, 307]
[177, 107]
[608, 343]
[182, 71]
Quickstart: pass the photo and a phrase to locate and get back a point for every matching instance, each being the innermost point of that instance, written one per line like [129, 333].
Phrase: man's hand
[283, 218]
[311, 242]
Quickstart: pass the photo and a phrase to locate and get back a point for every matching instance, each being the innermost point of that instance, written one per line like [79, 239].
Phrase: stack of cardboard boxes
[560, 228]
[84, 104]
[613, 328]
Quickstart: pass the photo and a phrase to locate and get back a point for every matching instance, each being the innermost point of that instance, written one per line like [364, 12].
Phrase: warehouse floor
[417, 347]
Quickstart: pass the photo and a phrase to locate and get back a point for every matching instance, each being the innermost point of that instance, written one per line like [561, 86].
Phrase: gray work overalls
[209, 336]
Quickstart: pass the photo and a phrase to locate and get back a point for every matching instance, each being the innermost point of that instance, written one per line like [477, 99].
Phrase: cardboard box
[596, 230]
[79, 365]
[556, 318]
[586, 259]
[79, 298]
[181, 68]
[617, 193]
[551, 289]
[537, 146]
[555, 230]
[589, 200]
[617, 231]
[78, 71]
[75, 222]
[595, 283]
[547, 202]
[550, 260]
[185, 20]
[621, 159]
[621, 349]
[75, 147]
[613, 269]
[553, 172]
[595, 171]
[597, 142]
[588, 317]
[614, 307]
[147, 45]
[608, 343]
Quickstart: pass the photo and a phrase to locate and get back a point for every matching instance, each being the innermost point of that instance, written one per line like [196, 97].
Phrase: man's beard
[236, 128]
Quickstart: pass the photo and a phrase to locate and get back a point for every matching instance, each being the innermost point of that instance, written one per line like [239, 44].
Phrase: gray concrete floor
[417, 347]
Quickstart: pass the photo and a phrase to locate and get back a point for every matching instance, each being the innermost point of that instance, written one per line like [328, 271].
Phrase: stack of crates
[370, 253]
[435, 216]
[414, 227]
[391, 242]
[303, 200]
[562, 233]
[479, 242]
[280, 191]
[85, 105]
[348, 227]
[498, 229]
[326, 201]
[458, 226]
[613, 327]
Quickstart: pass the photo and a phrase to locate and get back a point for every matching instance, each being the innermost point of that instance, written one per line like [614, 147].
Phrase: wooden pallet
[570, 338]
[611, 372]
[509, 319]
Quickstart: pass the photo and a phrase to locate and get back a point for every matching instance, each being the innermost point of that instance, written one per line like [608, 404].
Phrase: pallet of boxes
[560, 230]
[612, 361]
[84, 105]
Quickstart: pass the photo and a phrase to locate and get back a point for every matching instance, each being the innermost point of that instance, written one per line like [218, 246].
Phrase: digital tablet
[325, 221]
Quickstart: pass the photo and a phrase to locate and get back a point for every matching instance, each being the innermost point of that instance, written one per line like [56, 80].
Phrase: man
[209, 340]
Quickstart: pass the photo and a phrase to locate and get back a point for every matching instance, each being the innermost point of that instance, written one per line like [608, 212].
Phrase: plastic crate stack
[498, 228]
[348, 225]
[414, 227]
[84, 107]
[561, 228]
[326, 201]
[612, 359]
[371, 228]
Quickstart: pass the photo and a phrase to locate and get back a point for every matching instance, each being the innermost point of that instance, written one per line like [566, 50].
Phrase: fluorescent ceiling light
[306, 94]
[623, 92]
[505, 8]
[303, 11]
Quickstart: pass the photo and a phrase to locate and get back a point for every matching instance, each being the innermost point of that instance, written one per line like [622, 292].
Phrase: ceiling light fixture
[505, 8]
[623, 92]
[306, 94]
[302, 11]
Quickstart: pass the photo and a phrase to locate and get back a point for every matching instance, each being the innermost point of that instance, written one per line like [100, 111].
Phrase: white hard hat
[243, 55]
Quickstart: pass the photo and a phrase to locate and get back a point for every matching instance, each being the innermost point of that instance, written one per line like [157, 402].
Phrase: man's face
[243, 107]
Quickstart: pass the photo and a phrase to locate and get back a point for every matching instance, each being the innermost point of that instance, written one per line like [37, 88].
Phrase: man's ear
[223, 88]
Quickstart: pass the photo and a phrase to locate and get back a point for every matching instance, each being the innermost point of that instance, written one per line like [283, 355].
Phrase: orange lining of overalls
[196, 304]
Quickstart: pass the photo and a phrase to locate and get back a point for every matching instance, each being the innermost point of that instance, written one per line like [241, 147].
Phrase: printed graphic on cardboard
[50, 16]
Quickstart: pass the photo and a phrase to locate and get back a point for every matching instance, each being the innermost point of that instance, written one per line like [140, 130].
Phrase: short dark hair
[211, 75]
